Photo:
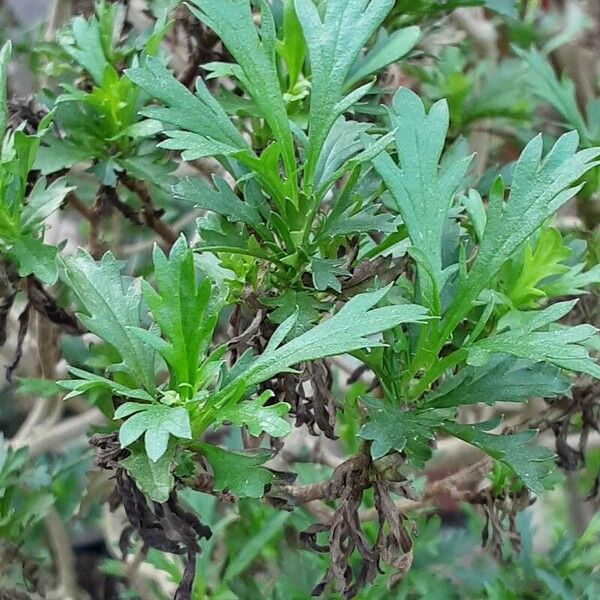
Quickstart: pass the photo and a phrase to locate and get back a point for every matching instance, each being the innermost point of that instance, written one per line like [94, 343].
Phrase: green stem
[437, 371]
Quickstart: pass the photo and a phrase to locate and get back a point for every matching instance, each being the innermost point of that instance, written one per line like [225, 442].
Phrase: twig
[145, 245]
[42, 409]
[150, 213]
[94, 244]
[64, 559]
[65, 432]
[58, 15]
[448, 486]
[76, 204]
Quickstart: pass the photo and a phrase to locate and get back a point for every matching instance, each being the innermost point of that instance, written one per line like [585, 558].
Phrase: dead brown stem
[150, 214]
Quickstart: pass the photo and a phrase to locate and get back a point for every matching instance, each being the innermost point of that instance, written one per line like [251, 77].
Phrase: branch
[58, 15]
[151, 215]
[62, 434]
[64, 559]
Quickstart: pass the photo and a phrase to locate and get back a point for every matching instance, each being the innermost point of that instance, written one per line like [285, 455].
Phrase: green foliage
[422, 189]
[23, 212]
[102, 124]
[338, 224]
[155, 423]
[501, 379]
[241, 474]
[333, 43]
[23, 500]
[112, 311]
[538, 188]
[408, 431]
[531, 464]
[152, 476]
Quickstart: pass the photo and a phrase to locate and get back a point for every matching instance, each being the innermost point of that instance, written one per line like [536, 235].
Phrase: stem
[149, 212]
[64, 559]
[437, 370]
[61, 434]
[58, 15]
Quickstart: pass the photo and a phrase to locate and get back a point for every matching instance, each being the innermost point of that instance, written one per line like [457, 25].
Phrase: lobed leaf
[422, 188]
[198, 114]
[347, 330]
[531, 463]
[539, 187]
[502, 379]
[111, 310]
[390, 428]
[154, 478]
[237, 472]
[334, 43]
[180, 307]
[254, 52]
[156, 422]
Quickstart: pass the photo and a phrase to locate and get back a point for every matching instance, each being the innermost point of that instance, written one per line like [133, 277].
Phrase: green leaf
[180, 307]
[42, 202]
[254, 51]
[156, 422]
[5, 53]
[194, 146]
[352, 219]
[111, 309]
[90, 381]
[502, 379]
[341, 144]
[55, 155]
[531, 463]
[422, 188]
[85, 46]
[154, 478]
[221, 200]
[334, 43]
[388, 48]
[390, 428]
[45, 388]
[36, 258]
[325, 273]
[573, 282]
[257, 417]
[560, 95]
[538, 188]
[349, 329]
[197, 113]
[237, 472]
[563, 347]
[544, 260]
[291, 48]
[306, 308]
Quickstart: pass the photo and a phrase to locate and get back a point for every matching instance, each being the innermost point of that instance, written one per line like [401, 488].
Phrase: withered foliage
[393, 544]
[165, 526]
[8, 292]
[309, 393]
[310, 397]
[39, 300]
[23, 328]
[500, 512]
[580, 414]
